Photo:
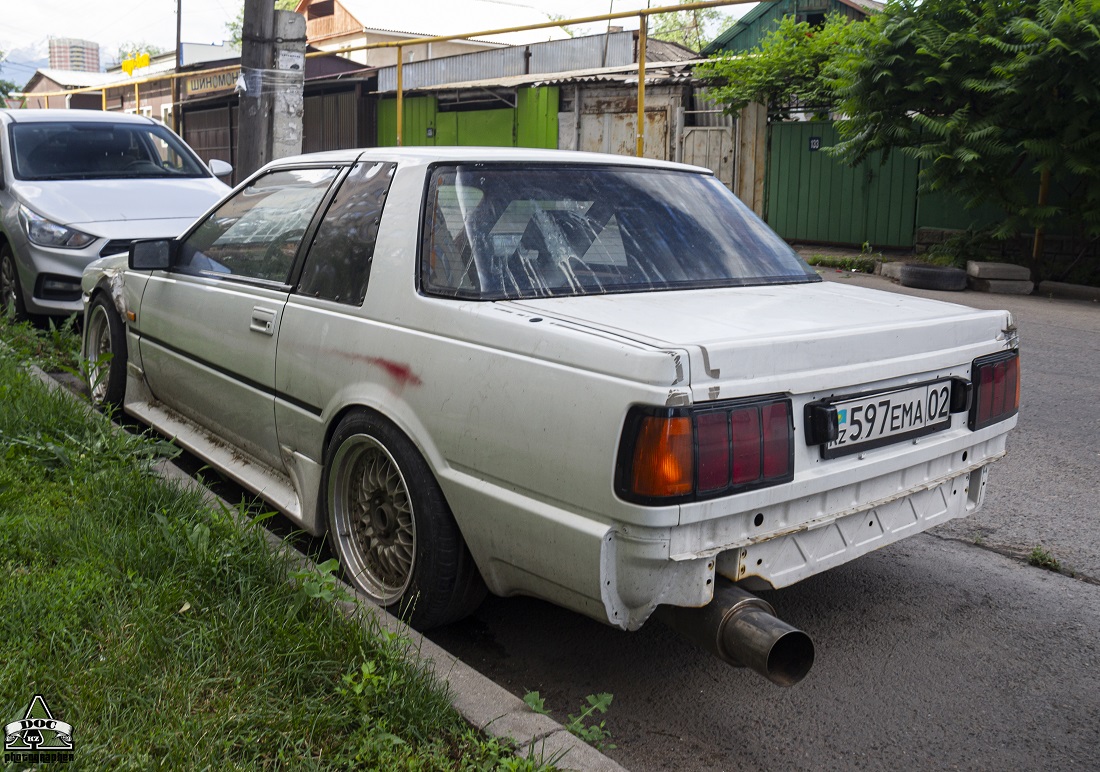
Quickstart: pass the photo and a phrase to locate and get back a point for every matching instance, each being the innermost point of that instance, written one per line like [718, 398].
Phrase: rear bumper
[619, 573]
[782, 560]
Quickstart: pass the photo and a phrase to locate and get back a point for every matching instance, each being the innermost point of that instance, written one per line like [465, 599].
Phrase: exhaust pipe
[743, 630]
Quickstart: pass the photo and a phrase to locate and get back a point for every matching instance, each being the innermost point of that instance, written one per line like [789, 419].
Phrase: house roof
[866, 7]
[655, 72]
[615, 49]
[454, 17]
[69, 78]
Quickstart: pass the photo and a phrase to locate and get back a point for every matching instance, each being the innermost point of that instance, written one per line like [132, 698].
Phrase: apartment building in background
[74, 55]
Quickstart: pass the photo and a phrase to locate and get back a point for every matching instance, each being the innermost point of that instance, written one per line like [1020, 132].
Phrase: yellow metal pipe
[642, 14]
[104, 94]
[137, 100]
[418, 41]
[642, 34]
[400, 95]
[540, 25]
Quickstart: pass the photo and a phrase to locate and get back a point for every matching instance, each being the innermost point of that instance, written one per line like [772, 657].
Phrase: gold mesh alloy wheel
[373, 518]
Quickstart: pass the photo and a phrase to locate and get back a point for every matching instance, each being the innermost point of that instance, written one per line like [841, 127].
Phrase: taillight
[664, 460]
[669, 455]
[996, 381]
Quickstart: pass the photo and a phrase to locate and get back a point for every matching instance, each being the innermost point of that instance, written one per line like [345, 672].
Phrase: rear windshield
[502, 232]
[82, 151]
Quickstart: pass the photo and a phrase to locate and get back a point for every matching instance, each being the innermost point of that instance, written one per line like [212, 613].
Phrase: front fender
[105, 275]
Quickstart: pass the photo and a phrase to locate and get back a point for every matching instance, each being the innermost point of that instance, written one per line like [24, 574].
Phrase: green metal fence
[810, 196]
[532, 123]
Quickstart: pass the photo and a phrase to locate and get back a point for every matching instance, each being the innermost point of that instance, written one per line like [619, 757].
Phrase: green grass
[1042, 558]
[857, 263]
[169, 636]
[54, 345]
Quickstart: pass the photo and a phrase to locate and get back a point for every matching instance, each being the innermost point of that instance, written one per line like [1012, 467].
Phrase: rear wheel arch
[436, 580]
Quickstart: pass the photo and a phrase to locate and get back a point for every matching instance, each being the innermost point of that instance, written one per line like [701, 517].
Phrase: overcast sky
[27, 25]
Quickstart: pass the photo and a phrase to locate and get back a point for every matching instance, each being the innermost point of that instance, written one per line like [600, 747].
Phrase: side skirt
[273, 486]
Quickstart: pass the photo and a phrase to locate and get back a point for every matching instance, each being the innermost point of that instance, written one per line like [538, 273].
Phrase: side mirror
[150, 255]
[220, 168]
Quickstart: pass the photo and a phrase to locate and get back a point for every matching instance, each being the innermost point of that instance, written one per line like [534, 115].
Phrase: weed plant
[168, 635]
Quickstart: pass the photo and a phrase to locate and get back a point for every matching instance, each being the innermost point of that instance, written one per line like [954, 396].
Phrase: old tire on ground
[105, 349]
[391, 528]
[932, 277]
[11, 292]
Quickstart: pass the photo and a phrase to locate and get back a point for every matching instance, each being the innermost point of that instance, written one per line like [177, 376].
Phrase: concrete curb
[1047, 289]
[489, 708]
[1057, 289]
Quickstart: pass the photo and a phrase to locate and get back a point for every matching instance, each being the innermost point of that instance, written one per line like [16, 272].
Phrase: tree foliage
[134, 48]
[692, 28]
[788, 66]
[235, 27]
[995, 97]
[6, 86]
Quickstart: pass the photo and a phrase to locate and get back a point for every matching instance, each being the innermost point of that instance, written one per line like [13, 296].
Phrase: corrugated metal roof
[870, 6]
[589, 52]
[75, 78]
[720, 42]
[656, 73]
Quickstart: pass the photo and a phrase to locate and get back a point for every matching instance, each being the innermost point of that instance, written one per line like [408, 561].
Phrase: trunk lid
[792, 338]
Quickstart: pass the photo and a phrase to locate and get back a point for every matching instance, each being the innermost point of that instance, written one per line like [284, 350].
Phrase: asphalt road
[945, 651]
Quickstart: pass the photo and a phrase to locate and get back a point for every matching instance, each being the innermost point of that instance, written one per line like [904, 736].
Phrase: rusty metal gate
[616, 133]
[712, 147]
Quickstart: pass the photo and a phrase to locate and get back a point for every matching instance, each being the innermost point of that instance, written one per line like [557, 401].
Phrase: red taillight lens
[997, 389]
[746, 445]
[713, 450]
[713, 435]
[776, 440]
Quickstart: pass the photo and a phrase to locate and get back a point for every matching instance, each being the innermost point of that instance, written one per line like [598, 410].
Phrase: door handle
[263, 320]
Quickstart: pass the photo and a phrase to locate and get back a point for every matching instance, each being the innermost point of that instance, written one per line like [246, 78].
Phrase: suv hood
[790, 338]
[95, 205]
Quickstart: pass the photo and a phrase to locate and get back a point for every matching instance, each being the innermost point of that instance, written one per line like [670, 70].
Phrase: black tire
[105, 351]
[391, 528]
[11, 291]
[932, 277]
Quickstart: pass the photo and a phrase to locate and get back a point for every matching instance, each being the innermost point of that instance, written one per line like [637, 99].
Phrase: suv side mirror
[220, 168]
[150, 255]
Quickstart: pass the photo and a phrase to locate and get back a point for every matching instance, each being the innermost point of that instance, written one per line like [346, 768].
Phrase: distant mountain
[19, 64]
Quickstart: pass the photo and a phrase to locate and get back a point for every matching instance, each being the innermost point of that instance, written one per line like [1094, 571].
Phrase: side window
[339, 261]
[256, 234]
[447, 260]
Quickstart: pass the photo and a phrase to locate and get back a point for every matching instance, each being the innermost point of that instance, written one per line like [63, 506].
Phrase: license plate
[880, 419]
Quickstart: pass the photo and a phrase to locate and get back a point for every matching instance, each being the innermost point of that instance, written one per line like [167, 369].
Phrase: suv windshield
[494, 232]
[71, 150]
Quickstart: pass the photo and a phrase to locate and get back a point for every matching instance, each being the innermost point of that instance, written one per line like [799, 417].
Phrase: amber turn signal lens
[664, 456]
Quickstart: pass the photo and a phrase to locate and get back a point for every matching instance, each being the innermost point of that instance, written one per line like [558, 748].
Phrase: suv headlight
[46, 233]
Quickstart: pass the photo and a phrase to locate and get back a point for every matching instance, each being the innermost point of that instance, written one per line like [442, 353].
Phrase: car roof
[467, 154]
[36, 115]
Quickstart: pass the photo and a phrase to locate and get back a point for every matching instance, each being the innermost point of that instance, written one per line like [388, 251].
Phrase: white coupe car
[597, 380]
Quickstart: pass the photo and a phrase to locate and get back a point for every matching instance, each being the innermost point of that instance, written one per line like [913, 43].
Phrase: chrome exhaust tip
[742, 629]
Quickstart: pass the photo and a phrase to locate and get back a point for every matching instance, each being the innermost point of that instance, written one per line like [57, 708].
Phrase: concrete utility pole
[257, 99]
[290, 61]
